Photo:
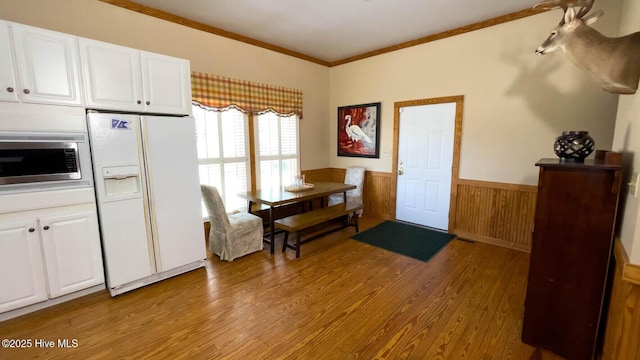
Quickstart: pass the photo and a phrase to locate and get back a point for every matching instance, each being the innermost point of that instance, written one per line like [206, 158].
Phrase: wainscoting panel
[622, 332]
[497, 213]
[377, 196]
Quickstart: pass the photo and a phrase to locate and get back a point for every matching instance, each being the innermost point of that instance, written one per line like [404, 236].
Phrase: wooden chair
[353, 176]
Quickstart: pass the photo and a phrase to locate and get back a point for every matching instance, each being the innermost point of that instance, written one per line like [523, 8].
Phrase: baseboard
[51, 302]
[118, 290]
[489, 240]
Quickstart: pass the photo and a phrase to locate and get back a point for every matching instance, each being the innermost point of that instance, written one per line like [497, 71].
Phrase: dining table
[279, 196]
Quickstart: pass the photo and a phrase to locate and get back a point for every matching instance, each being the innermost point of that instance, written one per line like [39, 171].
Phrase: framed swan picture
[359, 130]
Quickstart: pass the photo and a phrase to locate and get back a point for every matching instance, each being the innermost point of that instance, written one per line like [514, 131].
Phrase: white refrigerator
[148, 192]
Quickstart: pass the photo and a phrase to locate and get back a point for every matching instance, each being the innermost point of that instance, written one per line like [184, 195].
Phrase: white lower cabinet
[21, 265]
[48, 253]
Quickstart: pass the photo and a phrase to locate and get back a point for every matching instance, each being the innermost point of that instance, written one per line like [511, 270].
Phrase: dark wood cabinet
[572, 241]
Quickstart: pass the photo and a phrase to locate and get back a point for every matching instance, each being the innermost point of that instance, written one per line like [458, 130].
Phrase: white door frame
[459, 100]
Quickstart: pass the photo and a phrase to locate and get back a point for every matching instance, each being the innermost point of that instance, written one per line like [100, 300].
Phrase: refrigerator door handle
[154, 250]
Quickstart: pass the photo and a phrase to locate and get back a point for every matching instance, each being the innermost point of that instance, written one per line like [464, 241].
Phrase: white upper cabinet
[46, 66]
[121, 78]
[111, 76]
[167, 83]
[8, 80]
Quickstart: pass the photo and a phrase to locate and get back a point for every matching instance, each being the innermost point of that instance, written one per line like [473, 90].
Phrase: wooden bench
[295, 223]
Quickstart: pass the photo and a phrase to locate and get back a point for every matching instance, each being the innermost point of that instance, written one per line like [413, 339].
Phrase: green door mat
[413, 241]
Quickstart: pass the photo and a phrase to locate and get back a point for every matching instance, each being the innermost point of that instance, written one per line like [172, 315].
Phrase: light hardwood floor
[341, 299]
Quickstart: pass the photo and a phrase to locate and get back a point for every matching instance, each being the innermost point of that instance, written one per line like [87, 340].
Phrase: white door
[8, 82]
[111, 75]
[167, 84]
[425, 158]
[47, 64]
[174, 190]
[71, 244]
[126, 238]
[21, 269]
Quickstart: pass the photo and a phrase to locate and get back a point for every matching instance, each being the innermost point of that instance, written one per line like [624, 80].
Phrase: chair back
[355, 176]
[215, 207]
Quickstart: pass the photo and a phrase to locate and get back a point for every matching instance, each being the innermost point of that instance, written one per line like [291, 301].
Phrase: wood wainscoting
[497, 213]
[622, 332]
[377, 195]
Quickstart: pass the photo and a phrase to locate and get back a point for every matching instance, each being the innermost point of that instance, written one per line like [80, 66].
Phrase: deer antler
[553, 4]
[584, 5]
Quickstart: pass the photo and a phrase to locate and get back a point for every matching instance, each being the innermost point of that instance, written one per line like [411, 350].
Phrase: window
[224, 153]
[276, 143]
[223, 143]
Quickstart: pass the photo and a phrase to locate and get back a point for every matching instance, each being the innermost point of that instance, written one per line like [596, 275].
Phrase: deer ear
[569, 15]
[593, 17]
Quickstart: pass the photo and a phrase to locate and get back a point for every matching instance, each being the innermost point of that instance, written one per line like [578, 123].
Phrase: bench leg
[284, 242]
[297, 244]
[355, 221]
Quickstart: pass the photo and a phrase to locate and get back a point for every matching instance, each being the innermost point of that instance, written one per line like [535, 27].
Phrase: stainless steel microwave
[40, 161]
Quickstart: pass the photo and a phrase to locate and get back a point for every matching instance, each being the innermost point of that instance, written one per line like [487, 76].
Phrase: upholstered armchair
[353, 176]
[231, 236]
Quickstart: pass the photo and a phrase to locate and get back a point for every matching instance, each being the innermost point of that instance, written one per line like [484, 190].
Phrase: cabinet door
[111, 75]
[47, 64]
[167, 84]
[71, 246]
[21, 270]
[7, 69]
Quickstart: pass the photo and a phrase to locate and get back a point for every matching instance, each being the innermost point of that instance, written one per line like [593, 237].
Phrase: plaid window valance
[221, 92]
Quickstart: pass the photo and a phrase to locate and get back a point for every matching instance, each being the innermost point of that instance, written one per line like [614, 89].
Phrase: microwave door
[32, 162]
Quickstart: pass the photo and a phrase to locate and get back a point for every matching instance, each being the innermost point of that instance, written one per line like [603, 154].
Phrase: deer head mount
[614, 62]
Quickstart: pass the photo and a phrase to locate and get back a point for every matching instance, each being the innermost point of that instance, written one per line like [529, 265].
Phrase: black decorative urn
[574, 145]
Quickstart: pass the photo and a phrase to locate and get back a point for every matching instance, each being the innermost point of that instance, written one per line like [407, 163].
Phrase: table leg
[344, 194]
[273, 229]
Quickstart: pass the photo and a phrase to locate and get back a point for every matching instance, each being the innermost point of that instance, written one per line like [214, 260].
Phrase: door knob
[400, 169]
[46, 227]
[26, 91]
[10, 89]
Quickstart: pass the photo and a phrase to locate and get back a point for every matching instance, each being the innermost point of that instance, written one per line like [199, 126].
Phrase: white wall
[515, 103]
[627, 139]
[207, 53]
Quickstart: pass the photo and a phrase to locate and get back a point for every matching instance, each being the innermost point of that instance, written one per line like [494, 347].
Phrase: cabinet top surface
[587, 164]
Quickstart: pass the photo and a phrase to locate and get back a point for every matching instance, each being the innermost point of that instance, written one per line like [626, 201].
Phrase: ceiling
[334, 31]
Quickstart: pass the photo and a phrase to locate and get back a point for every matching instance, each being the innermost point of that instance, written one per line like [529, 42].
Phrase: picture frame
[359, 130]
